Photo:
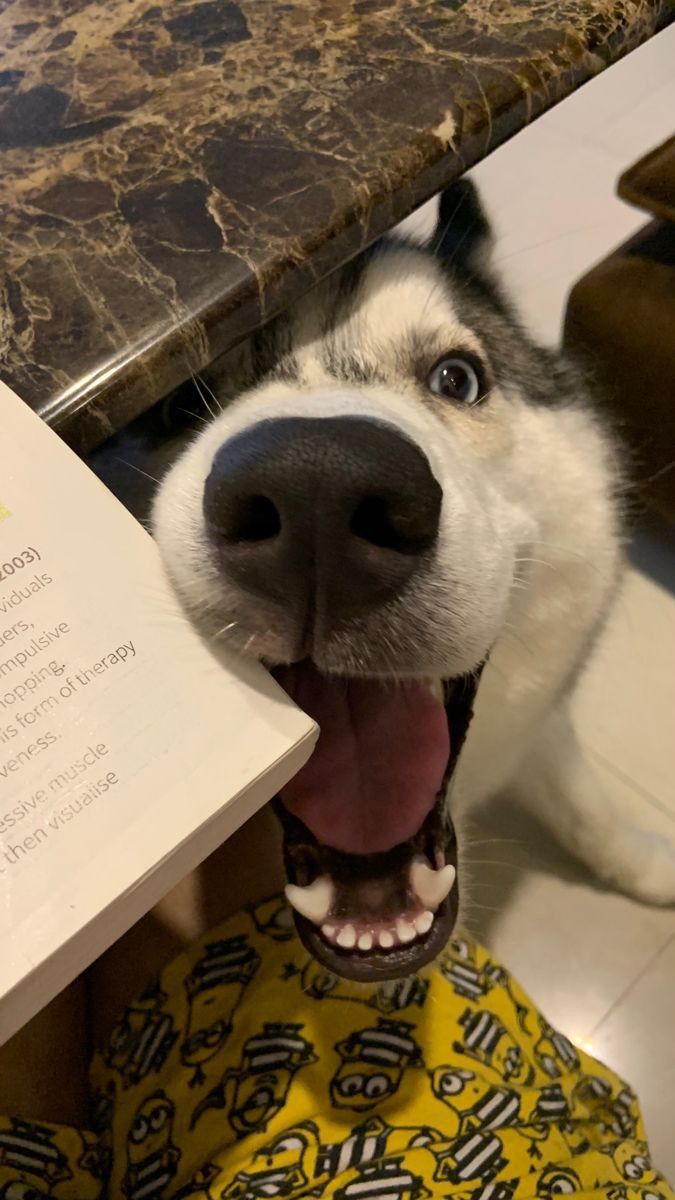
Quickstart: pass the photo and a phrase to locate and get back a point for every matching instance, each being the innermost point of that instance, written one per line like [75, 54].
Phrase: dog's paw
[642, 864]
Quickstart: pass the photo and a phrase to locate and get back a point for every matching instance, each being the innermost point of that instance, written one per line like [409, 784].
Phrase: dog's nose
[327, 516]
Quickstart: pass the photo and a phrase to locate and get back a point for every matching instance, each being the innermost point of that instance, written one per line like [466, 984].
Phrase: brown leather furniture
[621, 318]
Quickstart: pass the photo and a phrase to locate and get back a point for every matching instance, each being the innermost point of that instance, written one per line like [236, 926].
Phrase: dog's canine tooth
[347, 937]
[313, 901]
[431, 887]
[405, 931]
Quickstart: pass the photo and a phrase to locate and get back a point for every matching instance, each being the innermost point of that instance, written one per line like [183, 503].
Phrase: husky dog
[410, 514]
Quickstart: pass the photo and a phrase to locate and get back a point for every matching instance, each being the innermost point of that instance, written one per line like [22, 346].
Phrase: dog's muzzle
[327, 520]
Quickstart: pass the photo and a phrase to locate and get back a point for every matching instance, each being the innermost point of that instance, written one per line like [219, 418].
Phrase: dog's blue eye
[455, 379]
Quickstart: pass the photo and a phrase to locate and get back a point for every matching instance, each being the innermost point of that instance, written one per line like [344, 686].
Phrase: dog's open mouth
[371, 856]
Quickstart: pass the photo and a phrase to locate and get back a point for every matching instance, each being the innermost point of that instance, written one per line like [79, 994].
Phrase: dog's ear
[462, 238]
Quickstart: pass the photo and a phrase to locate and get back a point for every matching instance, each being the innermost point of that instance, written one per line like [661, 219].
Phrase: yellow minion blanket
[245, 1071]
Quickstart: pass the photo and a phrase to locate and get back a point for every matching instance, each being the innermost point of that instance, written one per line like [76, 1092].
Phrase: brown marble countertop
[174, 172]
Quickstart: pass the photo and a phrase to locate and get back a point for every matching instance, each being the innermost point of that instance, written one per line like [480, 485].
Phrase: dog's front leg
[625, 842]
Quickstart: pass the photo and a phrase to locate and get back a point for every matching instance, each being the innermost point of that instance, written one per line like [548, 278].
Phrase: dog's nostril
[378, 521]
[252, 519]
[372, 522]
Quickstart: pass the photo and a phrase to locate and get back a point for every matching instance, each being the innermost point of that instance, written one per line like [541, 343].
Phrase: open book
[129, 748]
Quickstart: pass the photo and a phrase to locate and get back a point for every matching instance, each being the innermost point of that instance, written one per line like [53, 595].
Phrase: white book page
[129, 748]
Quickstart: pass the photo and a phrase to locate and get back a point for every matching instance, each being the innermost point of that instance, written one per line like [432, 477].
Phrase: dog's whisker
[511, 841]
[657, 474]
[510, 631]
[436, 290]
[554, 239]
[488, 862]
[225, 629]
[541, 561]
[493, 908]
[498, 671]
[210, 391]
[483, 397]
[494, 890]
[186, 412]
[574, 553]
[123, 462]
[474, 882]
[202, 397]
[439, 238]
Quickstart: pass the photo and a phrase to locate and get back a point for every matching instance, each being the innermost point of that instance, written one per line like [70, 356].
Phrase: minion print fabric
[246, 1072]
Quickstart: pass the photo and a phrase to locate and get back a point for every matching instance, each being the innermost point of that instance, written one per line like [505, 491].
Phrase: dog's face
[353, 518]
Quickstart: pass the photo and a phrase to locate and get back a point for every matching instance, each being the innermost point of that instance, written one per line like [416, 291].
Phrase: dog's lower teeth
[347, 937]
[405, 932]
[424, 922]
[316, 900]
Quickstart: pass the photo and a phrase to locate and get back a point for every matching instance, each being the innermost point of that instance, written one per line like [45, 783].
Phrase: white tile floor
[601, 966]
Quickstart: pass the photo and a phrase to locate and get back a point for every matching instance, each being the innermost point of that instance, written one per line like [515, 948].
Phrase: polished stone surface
[174, 173]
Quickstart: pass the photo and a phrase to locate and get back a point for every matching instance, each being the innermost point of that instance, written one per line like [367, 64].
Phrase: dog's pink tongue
[379, 761]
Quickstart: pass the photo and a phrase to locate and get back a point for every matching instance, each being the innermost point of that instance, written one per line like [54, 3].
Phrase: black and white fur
[529, 552]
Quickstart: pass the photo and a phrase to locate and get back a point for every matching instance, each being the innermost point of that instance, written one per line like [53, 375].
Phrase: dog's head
[352, 518]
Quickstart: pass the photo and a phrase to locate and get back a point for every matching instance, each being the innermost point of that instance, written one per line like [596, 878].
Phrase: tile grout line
[629, 986]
